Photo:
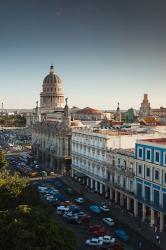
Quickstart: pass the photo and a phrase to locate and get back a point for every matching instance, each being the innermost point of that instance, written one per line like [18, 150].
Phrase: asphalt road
[82, 231]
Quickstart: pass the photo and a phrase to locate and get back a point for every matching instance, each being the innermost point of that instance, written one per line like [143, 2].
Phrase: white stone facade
[89, 157]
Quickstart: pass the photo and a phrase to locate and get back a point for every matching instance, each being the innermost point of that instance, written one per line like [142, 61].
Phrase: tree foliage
[11, 187]
[3, 162]
[32, 228]
[13, 120]
[26, 222]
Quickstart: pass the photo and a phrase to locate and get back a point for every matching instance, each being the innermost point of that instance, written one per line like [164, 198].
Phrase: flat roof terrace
[156, 140]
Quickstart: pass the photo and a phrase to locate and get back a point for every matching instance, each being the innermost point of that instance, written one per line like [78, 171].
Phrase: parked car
[109, 221]
[94, 242]
[115, 246]
[105, 208]
[101, 232]
[122, 235]
[66, 203]
[81, 214]
[94, 227]
[85, 219]
[70, 191]
[62, 209]
[58, 184]
[107, 239]
[95, 209]
[78, 191]
[80, 200]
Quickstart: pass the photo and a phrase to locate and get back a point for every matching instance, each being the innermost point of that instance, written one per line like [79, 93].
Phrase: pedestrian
[158, 238]
[140, 244]
[155, 229]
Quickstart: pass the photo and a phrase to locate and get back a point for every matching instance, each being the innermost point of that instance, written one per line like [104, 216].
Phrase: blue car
[95, 209]
[122, 235]
[60, 197]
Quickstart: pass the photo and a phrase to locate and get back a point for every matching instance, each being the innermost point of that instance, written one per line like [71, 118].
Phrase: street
[82, 230]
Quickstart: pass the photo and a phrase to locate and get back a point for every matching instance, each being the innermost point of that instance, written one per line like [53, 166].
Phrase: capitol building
[52, 96]
[52, 126]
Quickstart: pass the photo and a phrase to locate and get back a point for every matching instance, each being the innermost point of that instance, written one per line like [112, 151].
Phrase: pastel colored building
[150, 191]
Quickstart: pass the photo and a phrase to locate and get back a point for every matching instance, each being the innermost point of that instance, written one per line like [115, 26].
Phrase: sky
[104, 51]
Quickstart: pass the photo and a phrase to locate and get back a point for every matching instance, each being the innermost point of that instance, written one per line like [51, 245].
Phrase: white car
[109, 221]
[94, 242]
[62, 209]
[107, 239]
[50, 198]
[105, 208]
[80, 200]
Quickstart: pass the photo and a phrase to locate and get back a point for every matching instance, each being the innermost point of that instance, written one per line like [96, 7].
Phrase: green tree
[3, 162]
[11, 188]
[26, 222]
[32, 228]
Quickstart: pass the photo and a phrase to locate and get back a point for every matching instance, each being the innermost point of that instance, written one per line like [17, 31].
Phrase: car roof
[109, 219]
[121, 230]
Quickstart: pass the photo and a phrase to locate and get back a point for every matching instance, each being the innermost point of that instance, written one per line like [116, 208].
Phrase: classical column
[152, 217]
[72, 172]
[87, 182]
[111, 194]
[128, 203]
[143, 212]
[161, 222]
[95, 185]
[101, 188]
[116, 196]
[135, 208]
[91, 183]
[106, 192]
[121, 200]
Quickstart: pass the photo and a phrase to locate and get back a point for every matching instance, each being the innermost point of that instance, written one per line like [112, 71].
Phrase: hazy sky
[104, 51]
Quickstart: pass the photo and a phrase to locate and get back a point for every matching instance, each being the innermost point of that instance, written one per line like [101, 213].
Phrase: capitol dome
[51, 78]
[52, 96]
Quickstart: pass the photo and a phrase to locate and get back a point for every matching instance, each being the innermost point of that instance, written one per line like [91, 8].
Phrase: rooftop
[156, 140]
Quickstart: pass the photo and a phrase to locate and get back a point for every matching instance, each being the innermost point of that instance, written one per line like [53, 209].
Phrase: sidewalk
[126, 218]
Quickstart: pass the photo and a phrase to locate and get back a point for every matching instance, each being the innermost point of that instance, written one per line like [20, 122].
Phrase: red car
[100, 232]
[78, 191]
[115, 247]
[85, 219]
[95, 227]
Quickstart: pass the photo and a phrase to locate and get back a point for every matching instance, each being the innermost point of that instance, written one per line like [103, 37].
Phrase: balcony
[88, 156]
[118, 186]
[126, 172]
[89, 174]
[157, 207]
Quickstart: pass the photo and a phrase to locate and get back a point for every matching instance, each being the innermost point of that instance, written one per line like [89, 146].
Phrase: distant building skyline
[105, 52]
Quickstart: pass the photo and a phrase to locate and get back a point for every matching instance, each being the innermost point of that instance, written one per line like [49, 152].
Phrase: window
[156, 197]
[148, 172]
[156, 175]
[164, 200]
[157, 156]
[139, 169]
[139, 190]
[165, 177]
[140, 152]
[148, 154]
[164, 158]
[147, 193]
